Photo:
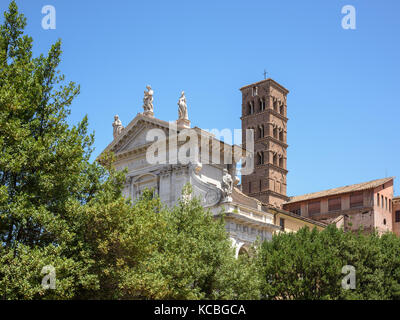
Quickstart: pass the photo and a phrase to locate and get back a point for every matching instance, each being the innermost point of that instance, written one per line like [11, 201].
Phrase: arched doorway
[243, 251]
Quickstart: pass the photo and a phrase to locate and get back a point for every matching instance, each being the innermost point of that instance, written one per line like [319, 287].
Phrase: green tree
[162, 253]
[200, 258]
[57, 208]
[308, 265]
[44, 169]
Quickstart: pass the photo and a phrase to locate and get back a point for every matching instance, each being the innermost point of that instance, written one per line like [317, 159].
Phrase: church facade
[157, 156]
[165, 156]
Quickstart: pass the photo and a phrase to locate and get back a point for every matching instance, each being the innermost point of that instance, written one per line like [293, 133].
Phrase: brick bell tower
[264, 110]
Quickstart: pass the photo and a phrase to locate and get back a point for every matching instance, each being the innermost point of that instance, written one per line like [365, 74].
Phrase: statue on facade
[182, 110]
[148, 101]
[117, 126]
[227, 186]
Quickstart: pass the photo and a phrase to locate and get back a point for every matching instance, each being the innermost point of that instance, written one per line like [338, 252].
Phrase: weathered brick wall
[396, 207]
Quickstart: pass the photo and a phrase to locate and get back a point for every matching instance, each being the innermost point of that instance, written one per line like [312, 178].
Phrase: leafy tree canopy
[308, 265]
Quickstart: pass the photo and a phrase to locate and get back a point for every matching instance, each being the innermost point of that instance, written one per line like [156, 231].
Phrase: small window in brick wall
[334, 204]
[314, 207]
[282, 223]
[356, 200]
[397, 216]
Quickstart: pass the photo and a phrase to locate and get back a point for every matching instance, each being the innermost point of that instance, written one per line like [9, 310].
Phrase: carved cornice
[126, 132]
[271, 138]
[269, 192]
[167, 169]
[276, 194]
[268, 110]
[136, 150]
[270, 165]
[248, 220]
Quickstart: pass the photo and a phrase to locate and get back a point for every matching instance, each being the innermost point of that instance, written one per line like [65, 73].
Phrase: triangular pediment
[134, 135]
[136, 138]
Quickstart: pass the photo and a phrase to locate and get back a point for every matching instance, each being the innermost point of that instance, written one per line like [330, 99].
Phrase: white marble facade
[245, 219]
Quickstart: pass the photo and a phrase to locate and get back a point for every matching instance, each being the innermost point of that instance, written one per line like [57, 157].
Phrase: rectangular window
[314, 207]
[356, 200]
[397, 216]
[377, 199]
[282, 223]
[334, 204]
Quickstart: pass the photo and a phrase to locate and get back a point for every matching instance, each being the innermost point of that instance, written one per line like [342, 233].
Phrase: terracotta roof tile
[351, 188]
[306, 219]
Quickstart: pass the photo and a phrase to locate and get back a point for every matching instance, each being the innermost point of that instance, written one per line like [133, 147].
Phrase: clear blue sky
[344, 85]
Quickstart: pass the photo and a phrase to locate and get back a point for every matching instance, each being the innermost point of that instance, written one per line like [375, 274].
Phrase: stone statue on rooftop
[182, 110]
[148, 101]
[117, 126]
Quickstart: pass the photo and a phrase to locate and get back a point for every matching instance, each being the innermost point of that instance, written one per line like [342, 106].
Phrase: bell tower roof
[268, 81]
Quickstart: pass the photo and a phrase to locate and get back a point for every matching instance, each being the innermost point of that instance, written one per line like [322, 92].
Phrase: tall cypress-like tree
[45, 171]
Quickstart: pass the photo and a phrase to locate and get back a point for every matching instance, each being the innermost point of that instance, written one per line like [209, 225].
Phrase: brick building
[369, 205]
[396, 215]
